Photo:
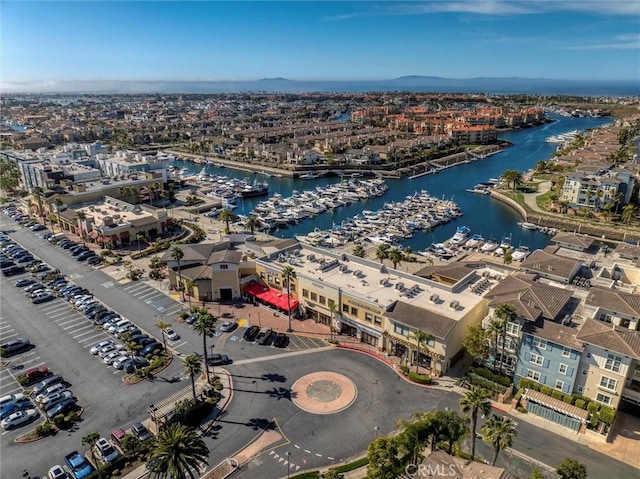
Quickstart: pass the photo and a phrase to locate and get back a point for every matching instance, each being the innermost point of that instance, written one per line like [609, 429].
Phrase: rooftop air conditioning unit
[454, 304]
[434, 298]
[311, 257]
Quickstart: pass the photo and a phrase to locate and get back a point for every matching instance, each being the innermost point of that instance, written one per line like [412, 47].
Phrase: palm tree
[38, 192]
[189, 285]
[58, 202]
[499, 431]
[178, 451]
[140, 238]
[495, 330]
[289, 274]
[627, 213]
[81, 216]
[205, 326]
[506, 313]
[422, 340]
[152, 189]
[177, 254]
[359, 251]
[91, 440]
[476, 401]
[382, 252]
[512, 177]
[618, 199]
[226, 215]
[193, 367]
[396, 256]
[163, 326]
[252, 223]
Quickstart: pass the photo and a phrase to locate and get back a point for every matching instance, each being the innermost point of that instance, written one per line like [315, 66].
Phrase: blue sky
[162, 40]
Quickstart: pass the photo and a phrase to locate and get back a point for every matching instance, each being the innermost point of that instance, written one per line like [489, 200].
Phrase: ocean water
[484, 215]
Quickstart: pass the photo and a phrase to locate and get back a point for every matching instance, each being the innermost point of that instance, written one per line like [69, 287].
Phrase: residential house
[550, 266]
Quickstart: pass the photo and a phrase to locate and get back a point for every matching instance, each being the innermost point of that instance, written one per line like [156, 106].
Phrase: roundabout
[323, 392]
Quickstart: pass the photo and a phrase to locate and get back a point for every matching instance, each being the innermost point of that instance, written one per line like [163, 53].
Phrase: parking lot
[154, 298]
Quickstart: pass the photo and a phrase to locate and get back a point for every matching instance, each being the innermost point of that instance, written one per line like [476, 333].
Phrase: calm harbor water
[484, 215]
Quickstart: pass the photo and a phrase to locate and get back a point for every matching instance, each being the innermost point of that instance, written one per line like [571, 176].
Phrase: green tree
[628, 213]
[38, 193]
[383, 459]
[333, 474]
[476, 342]
[359, 251]
[414, 436]
[477, 402]
[288, 275]
[422, 343]
[571, 469]
[226, 215]
[513, 178]
[251, 223]
[495, 331]
[163, 326]
[178, 453]
[177, 254]
[536, 474]
[153, 189]
[382, 252]
[140, 238]
[192, 367]
[81, 216]
[91, 439]
[58, 203]
[451, 427]
[499, 431]
[506, 313]
[189, 285]
[205, 326]
[395, 255]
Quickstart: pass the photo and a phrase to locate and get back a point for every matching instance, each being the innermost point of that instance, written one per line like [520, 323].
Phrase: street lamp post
[288, 454]
[376, 429]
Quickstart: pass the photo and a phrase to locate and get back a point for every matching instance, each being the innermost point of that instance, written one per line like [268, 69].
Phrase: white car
[119, 362]
[55, 398]
[171, 334]
[77, 301]
[11, 398]
[19, 418]
[49, 391]
[106, 451]
[57, 472]
[109, 348]
[97, 347]
[112, 356]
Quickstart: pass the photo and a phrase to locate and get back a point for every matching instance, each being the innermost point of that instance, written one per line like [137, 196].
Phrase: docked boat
[528, 226]
[463, 233]
[520, 253]
[252, 190]
[490, 246]
[505, 244]
[475, 241]
[307, 176]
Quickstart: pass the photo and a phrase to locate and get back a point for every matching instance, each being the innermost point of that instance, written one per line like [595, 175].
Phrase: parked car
[46, 383]
[218, 359]
[56, 398]
[33, 375]
[13, 270]
[191, 319]
[281, 340]
[42, 298]
[139, 431]
[136, 363]
[264, 335]
[120, 361]
[117, 435]
[95, 349]
[57, 472]
[42, 396]
[228, 326]
[14, 346]
[10, 399]
[112, 356]
[171, 334]
[151, 349]
[106, 451]
[19, 418]
[15, 406]
[63, 407]
[251, 333]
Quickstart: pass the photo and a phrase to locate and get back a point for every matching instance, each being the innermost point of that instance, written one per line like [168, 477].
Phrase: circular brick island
[323, 393]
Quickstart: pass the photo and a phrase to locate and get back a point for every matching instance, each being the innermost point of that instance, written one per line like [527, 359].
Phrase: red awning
[94, 234]
[272, 297]
[124, 234]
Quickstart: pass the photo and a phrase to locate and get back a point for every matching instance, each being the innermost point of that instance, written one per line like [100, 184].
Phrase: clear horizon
[45, 43]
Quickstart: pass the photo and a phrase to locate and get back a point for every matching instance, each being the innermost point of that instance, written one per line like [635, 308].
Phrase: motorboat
[462, 235]
[528, 226]
[520, 253]
[505, 244]
[490, 246]
[474, 242]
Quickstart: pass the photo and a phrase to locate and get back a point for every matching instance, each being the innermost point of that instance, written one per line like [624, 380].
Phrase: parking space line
[149, 295]
[83, 334]
[57, 315]
[293, 343]
[8, 336]
[174, 310]
[303, 341]
[90, 339]
[179, 344]
[81, 328]
[73, 322]
[141, 292]
[70, 319]
[134, 286]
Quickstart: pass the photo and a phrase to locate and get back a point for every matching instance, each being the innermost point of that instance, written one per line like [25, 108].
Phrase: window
[535, 375]
[559, 384]
[269, 278]
[613, 363]
[377, 319]
[305, 293]
[399, 329]
[580, 389]
[262, 275]
[607, 318]
[537, 359]
[354, 311]
[563, 369]
[603, 398]
[224, 266]
[608, 383]
[323, 300]
[513, 328]
[314, 297]
[277, 280]
[345, 308]
[368, 317]
[584, 372]
[566, 352]
[539, 343]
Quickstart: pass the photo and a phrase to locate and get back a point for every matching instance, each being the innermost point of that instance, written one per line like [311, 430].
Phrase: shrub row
[491, 376]
[476, 380]
[419, 378]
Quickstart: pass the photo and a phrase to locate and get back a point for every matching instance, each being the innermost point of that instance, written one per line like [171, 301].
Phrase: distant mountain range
[417, 83]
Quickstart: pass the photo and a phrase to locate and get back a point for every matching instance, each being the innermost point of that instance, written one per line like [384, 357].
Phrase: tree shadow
[273, 378]
[281, 393]
[260, 424]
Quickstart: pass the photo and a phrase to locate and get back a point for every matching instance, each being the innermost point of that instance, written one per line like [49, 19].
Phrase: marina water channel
[482, 214]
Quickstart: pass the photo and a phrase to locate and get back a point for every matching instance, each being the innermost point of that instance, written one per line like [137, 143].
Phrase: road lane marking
[281, 356]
